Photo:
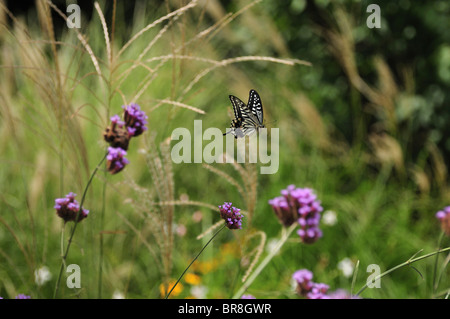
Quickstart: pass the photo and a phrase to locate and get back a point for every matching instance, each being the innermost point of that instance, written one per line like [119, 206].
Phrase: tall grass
[179, 62]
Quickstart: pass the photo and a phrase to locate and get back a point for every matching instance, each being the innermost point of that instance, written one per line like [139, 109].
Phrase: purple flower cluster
[119, 133]
[135, 119]
[116, 160]
[318, 291]
[311, 290]
[303, 277]
[301, 205]
[22, 296]
[231, 215]
[444, 217]
[341, 294]
[306, 287]
[68, 208]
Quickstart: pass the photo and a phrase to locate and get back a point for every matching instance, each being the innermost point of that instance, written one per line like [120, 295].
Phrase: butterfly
[248, 118]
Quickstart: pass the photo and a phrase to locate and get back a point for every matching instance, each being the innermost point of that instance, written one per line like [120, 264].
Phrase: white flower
[180, 230]
[118, 295]
[271, 245]
[199, 291]
[42, 275]
[329, 218]
[346, 265]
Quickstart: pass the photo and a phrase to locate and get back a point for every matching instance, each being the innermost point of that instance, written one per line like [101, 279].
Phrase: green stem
[195, 259]
[284, 236]
[435, 284]
[64, 257]
[62, 239]
[406, 263]
[102, 222]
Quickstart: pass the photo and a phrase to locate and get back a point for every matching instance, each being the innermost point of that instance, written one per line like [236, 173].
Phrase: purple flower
[22, 296]
[68, 208]
[115, 134]
[248, 297]
[301, 205]
[318, 291]
[119, 133]
[231, 215]
[307, 288]
[341, 294]
[115, 119]
[444, 217]
[303, 277]
[135, 119]
[116, 160]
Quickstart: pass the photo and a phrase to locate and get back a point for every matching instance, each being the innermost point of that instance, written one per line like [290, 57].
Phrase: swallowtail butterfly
[248, 118]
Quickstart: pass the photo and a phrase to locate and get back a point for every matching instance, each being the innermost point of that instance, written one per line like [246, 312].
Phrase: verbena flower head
[116, 160]
[135, 119]
[119, 133]
[247, 296]
[444, 217]
[301, 205]
[231, 215]
[307, 288]
[22, 296]
[341, 294]
[116, 134]
[67, 208]
[303, 278]
[318, 291]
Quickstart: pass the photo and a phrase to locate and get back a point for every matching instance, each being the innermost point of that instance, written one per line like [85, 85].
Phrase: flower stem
[194, 260]
[284, 236]
[64, 256]
[102, 223]
[436, 283]
[406, 263]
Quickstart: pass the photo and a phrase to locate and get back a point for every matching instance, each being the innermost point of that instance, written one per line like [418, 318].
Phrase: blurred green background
[365, 125]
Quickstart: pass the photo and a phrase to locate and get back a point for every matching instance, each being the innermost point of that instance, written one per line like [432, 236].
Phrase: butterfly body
[248, 118]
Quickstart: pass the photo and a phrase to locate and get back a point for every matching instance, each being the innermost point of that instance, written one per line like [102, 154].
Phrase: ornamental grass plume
[299, 205]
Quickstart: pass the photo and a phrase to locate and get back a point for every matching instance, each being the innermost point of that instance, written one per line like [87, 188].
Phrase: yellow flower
[176, 291]
[192, 279]
[205, 267]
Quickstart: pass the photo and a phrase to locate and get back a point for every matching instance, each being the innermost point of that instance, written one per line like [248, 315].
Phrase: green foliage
[364, 125]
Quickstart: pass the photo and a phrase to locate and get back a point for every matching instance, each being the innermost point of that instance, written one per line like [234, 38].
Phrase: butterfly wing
[255, 106]
[236, 124]
[237, 106]
[247, 117]
[249, 121]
